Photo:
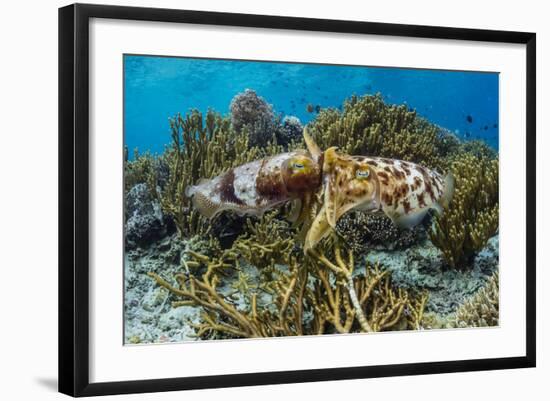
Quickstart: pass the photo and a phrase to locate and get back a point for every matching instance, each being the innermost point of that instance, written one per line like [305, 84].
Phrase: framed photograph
[250, 199]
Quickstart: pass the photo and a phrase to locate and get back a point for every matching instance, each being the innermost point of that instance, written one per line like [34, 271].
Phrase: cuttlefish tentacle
[318, 230]
[345, 183]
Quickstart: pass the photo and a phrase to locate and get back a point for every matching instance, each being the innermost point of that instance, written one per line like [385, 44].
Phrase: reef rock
[145, 222]
[251, 112]
[291, 130]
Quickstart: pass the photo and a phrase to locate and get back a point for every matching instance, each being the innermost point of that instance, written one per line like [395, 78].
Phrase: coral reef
[448, 144]
[290, 132]
[253, 114]
[481, 310]
[288, 293]
[363, 231]
[422, 268]
[236, 277]
[141, 169]
[145, 222]
[368, 126]
[472, 216]
[478, 148]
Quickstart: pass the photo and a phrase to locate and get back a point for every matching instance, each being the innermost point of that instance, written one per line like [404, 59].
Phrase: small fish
[401, 190]
[309, 108]
[486, 127]
[470, 119]
[258, 186]
[318, 108]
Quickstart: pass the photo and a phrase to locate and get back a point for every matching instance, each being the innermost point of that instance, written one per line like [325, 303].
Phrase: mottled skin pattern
[258, 186]
[404, 191]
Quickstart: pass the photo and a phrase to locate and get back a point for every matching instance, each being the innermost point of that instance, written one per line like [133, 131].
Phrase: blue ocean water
[156, 88]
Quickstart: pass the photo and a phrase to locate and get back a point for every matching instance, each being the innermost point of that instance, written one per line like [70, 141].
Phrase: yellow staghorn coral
[472, 217]
[201, 148]
[266, 242]
[289, 294]
[482, 310]
[368, 126]
[369, 297]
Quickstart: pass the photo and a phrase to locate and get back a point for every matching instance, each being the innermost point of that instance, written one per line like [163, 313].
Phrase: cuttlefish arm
[319, 229]
[312, 147]
[347, 184]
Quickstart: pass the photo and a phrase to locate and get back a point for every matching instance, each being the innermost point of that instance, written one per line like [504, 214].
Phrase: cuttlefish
[402, 190]
[258, 186]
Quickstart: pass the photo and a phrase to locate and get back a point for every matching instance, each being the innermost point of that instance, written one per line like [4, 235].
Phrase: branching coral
[222, 316]
[288, 293]
[139, 170]
[472, 216]
[368, 126]
[482, 309]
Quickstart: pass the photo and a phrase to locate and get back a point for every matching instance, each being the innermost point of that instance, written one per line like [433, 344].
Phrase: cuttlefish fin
[318, 230]
[312, 147]
[447, 195]
[408, 220]
[448, 191]
[205, 206]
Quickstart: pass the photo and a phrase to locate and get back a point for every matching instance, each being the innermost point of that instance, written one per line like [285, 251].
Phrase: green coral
[369, 126]
[472, 217]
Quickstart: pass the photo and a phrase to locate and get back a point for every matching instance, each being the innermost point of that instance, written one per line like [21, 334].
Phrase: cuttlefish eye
[300, 165]
[362, 174]
[301, 174]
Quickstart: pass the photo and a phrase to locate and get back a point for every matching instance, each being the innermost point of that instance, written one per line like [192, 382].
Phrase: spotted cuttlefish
[402, 190]
[258, 186]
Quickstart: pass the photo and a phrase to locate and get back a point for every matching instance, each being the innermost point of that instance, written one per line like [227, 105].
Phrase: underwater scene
[272, 199]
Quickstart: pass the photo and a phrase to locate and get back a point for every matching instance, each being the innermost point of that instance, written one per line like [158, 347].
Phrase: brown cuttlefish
[256, 187]
[403, 191]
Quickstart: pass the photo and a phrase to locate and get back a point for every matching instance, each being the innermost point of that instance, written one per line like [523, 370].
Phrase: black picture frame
[74, 198]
